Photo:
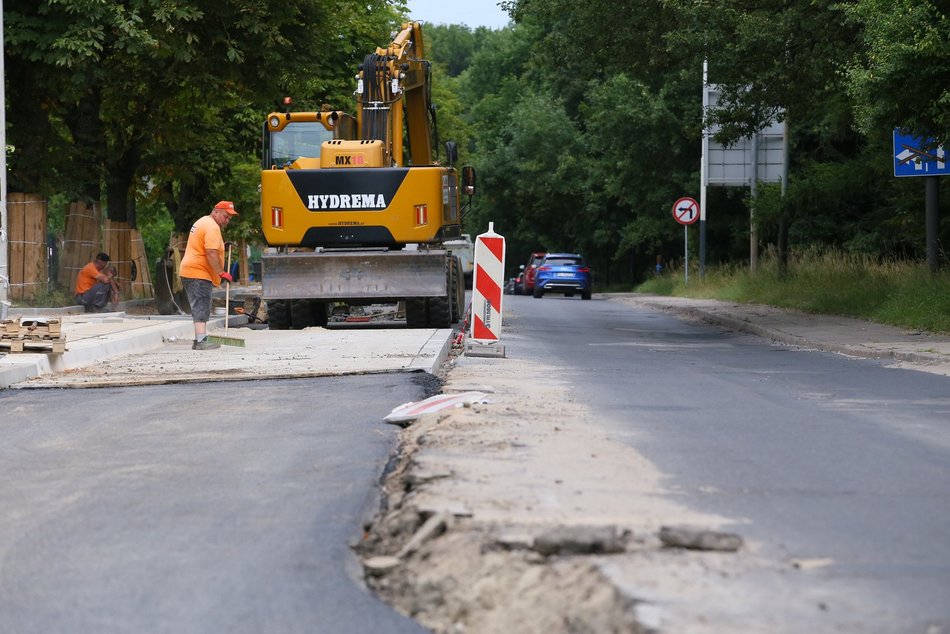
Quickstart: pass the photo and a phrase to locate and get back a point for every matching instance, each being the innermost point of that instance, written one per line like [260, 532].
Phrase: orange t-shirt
[87, 278]
[205, 235]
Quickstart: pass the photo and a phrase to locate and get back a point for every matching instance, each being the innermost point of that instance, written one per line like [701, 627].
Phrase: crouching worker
[96, 285]
[202, 268]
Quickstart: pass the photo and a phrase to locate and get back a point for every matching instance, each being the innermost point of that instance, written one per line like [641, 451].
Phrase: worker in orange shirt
[96, 285]
[202, 268]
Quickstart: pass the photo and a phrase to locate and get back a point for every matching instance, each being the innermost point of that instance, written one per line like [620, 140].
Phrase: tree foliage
[901, 74]
[628, 76]
[584, 120]
[160, 99]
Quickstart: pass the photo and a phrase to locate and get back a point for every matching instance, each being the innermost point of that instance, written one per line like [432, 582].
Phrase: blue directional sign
[914, 156]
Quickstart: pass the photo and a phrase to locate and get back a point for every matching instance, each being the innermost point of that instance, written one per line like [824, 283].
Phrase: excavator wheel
[301, 315]
[416, 312]
[308, 312]
[278, 314]
[320, 312]
[440, 312]
[445, 311]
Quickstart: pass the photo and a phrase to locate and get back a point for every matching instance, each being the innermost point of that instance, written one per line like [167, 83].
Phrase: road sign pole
[686, 251]
[686, 212]
[926, 157]
[703, 177]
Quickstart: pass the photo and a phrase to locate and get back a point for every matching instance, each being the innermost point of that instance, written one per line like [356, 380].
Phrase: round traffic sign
[686, 211]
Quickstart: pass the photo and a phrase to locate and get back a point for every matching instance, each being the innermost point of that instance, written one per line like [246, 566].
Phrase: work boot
[204, 345]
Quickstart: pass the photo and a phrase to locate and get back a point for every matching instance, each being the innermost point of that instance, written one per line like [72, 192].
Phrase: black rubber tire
[585, 294]
[538, 293]
[278, 314]
[301, 314]
[416, 312]
[319, 313]
[305, 313]
[444, 311]
[440, 312]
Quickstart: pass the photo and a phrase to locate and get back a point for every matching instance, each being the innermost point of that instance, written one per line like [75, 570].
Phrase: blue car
[563, 273]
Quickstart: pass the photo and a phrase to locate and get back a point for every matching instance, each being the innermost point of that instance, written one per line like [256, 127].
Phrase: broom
[226, 340]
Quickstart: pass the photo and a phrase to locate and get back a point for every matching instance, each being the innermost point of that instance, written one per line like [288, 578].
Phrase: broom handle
[227, 296]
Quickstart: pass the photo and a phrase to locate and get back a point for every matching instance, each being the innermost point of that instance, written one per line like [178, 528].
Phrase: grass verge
[898, 293]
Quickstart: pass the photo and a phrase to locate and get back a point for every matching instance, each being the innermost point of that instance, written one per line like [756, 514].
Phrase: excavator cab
[301, 135]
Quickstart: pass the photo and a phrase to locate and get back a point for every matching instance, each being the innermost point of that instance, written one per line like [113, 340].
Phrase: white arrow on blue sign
[914, 156]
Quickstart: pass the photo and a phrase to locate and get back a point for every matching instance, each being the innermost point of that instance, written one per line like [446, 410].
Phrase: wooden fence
[28, 254]
[85, 236]
[81, 242]
[127, 254]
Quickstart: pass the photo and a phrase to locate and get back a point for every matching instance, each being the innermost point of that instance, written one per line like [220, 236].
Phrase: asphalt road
[836, 461]
[221, 507]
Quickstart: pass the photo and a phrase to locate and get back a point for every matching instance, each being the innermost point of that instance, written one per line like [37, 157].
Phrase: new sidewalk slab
[831, 333]
[90, 339]
[114, 349]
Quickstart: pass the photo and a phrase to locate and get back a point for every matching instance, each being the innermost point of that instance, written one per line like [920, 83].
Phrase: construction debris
[581, 540]
[699, 539]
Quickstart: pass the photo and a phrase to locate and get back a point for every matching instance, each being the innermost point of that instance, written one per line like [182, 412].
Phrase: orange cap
[228, 206]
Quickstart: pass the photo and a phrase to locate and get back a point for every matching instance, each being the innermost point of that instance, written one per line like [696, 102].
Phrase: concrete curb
[882, 347]
[437, 348]
[804, 342]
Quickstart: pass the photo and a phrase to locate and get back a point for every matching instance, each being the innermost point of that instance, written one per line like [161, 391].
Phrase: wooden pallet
[32, 334]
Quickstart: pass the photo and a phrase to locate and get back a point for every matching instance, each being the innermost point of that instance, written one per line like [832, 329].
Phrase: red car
[528, 272]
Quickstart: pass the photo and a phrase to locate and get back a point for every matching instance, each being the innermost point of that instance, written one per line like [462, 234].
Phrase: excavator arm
[395, 83]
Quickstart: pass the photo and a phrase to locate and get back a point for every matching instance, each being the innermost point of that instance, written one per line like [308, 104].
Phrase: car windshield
[564, 262]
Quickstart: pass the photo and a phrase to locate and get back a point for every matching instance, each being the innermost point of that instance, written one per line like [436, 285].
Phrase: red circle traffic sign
[686, 211]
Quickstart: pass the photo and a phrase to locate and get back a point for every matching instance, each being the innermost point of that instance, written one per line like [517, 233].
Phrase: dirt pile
[506, 515]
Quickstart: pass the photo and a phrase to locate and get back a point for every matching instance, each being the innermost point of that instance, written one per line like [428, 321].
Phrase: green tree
[901, 75]
[165, 93]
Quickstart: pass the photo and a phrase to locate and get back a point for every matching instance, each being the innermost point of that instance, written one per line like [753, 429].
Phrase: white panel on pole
[733, 165]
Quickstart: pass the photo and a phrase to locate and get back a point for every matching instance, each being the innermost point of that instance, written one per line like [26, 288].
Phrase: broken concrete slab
[581, 540]
[699, 539]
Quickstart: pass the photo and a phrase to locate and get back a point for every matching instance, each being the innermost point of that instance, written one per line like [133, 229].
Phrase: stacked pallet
[32, 334]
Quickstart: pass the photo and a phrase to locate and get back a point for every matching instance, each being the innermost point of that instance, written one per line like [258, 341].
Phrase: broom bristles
[226, 341]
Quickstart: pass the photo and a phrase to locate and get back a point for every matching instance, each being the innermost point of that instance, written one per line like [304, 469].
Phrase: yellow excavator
[357, 210]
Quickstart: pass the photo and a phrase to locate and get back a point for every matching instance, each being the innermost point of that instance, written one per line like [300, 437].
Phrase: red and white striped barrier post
[487, 294]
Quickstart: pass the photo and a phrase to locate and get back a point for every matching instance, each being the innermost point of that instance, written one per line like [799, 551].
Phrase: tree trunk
[120, 175]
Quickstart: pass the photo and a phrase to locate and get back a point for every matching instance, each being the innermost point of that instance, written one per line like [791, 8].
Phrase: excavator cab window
[297, 139]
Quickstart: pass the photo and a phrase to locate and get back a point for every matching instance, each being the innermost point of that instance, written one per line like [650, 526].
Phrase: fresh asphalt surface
[215, 507]
[815, 455]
